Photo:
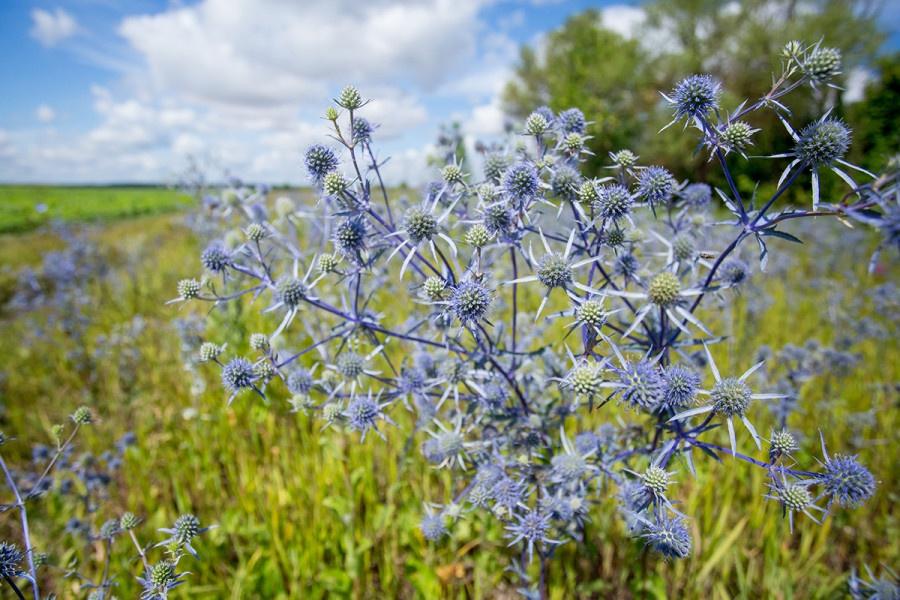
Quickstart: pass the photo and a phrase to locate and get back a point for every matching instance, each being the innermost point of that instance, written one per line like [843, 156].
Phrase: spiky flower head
[264, 370]
[624, 158]
[362, 130]
[847, 481]
[291, 291]
[626, 265]
[591, 313]
[10, 560]
[350, 235]
[669, 536]
[452, 174]
[565, 182]
[331, 114]
[731, 397]
[680, 385]
[186, 528]
[334, 183]
[554, 271]
[737, 135]
[697, 194]
[349, 98]
[433, 527]
[470, 301]
[642, 384]
[215, 258]
[782, 443]
[188, 289]
[494, 165]
[822, 64]
[587, 192]
[655, 185]
[734, 271]
[109, 529]
[328, 263]
[573, 143]
[434, 287]
[683, 247]
[300, 381]
[613, 202]
[536, 124]
[350, 364]
[572, 121]
[664, 289]
[420, 224]
[362, 414]
[256, 232]
[260, 342]
[128, 521]
[320, 161]
[520, 181]
[209, 351]
[238, 374]
[162, 574]
[823, 142]
[794, 497]
[478, 236]
[614, 237]
[497, 218]
[82, 415]
[695, 96]
[656, 480]
[566, 468]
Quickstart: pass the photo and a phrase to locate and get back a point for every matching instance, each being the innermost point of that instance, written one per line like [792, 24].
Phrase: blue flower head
[520, 182]
[320, 160]
[572, 121]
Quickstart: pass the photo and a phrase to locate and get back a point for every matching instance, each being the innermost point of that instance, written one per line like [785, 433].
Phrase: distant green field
[24, 207]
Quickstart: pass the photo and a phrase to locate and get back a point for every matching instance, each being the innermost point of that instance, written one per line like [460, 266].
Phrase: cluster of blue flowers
[459, 307]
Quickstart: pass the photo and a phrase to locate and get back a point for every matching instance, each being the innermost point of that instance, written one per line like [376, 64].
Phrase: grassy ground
[309, 514]
[24, 207]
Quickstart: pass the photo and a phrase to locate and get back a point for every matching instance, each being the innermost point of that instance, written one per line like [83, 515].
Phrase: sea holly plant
[421, 315]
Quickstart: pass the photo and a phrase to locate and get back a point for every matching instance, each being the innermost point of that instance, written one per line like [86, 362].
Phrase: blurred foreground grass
[311, 515]
[24, 207]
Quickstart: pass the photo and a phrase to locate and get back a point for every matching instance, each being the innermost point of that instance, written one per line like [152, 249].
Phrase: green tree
[876, 119]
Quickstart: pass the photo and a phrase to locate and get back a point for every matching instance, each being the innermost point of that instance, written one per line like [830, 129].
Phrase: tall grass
[309, 514]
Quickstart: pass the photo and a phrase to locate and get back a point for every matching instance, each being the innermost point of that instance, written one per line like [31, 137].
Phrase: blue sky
[100, 90]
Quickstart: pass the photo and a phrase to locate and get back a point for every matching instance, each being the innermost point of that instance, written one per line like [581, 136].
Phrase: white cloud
[51, 28]
[623, 19]
[45, 113]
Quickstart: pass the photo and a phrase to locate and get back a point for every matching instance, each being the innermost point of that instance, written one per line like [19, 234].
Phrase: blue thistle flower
[433, 527]
[469, 301]
[545, 112]
[508, 493]
[695, 96]
[215, 258]
[300, 381]
[320, 160]
[350, 235]
[531, 527]
[655, 185]
[10, 560]
[238, 375]
[613, 202]
[565, 183]
[846, 480]
[520, 182]
[572, 121]
[823, 142]
[668, 535]
[697, 194]
[641, 384]
[362, 130]
[680, 385]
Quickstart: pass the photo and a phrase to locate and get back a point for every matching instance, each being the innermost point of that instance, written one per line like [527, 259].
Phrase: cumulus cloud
[45, 113]
[51, 28]
[856, 85]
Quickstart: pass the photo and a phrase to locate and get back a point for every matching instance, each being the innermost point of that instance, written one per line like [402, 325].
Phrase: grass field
[313, 515]
[24, 207]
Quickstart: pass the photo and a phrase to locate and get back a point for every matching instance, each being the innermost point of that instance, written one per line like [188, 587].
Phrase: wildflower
[572, 121]
[320, 160]
[845, 480]
[215, 258]
[668, 536]
[363, 414]
[793, 497]
[624, 159]
[655, 185]
[694, 97]
[822, 64]
[536, 124]
[613, 202]
[520, 183]
[349, 98]
[82, 416]
[469, 301]
[532, 527]
[10, 560]
[680, 386]
[188, 289]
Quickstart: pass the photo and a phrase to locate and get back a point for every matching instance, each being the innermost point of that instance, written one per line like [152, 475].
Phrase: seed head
[434, 288]
[624, 158]
[210, 351]
[554, 271]
[794, 497]
[420, 224]
[591, 313]
[291, 291]
[187, 527]
[664, 289]
[587, 192]
[162, 574]
[536, 124]
[823, 142]
[782, 443]
[683, 247]
[256, 232]
[331, 113]
[260, 342]
[656, 480]
[330, 412]
[823, 64]
[128, 521]
[574, 143]
[565, 182]
[497, 218]
[349, 98]
[731, 397]
[82, 415]
[452, 174]
[328, 263]
[334, 183]
[188, 289]
[478, 236]
[737, 135]
[585, 380]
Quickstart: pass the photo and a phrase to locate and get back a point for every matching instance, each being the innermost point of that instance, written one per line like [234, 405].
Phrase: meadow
[304, 513]
[24, 207]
